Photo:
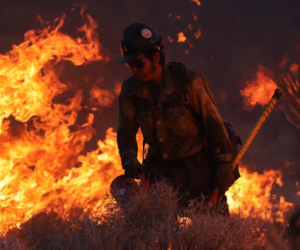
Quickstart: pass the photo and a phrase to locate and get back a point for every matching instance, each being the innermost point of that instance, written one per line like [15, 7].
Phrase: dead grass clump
[144, 222]
[215, 231]
[147, 221]
[10, 242]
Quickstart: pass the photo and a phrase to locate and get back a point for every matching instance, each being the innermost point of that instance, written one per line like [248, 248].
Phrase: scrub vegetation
[147, 221]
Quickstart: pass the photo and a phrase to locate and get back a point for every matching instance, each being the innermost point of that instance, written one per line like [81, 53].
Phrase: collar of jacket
[166, 89]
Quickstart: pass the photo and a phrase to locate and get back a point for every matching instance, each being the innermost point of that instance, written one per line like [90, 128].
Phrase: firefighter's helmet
[138, 38]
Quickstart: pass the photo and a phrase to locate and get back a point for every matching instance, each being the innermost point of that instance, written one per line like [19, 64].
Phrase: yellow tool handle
[276, 96]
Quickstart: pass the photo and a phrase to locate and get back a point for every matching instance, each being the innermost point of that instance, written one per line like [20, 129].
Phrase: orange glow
[252, 192]
[190, 44]
[170, 39]
[181, 37]
[117, 88]
[283, 62]
[197, 2]
[198, 33]
[195, 17]
[258, 91]
[289, 163]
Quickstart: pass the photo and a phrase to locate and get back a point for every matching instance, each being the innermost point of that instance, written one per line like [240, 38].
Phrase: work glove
[132, 166]
[225, 177]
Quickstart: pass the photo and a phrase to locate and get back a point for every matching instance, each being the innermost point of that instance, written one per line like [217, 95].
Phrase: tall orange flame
[38, 150]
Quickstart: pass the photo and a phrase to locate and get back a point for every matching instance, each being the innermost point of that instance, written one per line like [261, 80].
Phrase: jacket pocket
[182, 121]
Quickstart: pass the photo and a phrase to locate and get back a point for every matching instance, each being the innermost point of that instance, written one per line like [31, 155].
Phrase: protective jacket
[167, 126]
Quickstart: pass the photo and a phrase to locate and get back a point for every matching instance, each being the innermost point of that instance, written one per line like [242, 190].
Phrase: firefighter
[192, 153]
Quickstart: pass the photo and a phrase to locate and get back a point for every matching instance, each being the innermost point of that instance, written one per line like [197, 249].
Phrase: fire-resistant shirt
[169, 128]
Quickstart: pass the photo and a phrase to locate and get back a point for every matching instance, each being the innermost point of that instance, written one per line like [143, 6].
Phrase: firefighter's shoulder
[196, 79]
[130, 86]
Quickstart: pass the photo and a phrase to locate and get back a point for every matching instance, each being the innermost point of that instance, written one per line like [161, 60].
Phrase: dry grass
[146, 222]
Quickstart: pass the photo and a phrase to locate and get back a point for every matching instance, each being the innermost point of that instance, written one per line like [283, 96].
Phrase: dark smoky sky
[234, 40]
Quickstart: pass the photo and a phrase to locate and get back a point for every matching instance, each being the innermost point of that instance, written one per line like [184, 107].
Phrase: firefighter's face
[143, 68]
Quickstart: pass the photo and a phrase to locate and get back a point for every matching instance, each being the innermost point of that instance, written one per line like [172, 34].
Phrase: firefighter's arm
[216, 136]
[203, 103]
[127, 129]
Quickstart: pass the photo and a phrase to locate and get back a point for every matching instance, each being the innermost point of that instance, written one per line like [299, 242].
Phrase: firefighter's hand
[132, 166]
[225, 177]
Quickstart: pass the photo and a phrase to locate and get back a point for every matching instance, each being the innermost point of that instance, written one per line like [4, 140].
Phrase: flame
[41, 161]
[181, 37]
[258, 91]
[251, 195]
[27, 70]
[102, 97]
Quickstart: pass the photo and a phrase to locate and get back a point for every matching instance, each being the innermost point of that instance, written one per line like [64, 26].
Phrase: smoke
[234, 38]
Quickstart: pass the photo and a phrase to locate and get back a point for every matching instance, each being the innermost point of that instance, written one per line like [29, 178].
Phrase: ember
[181, 37]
